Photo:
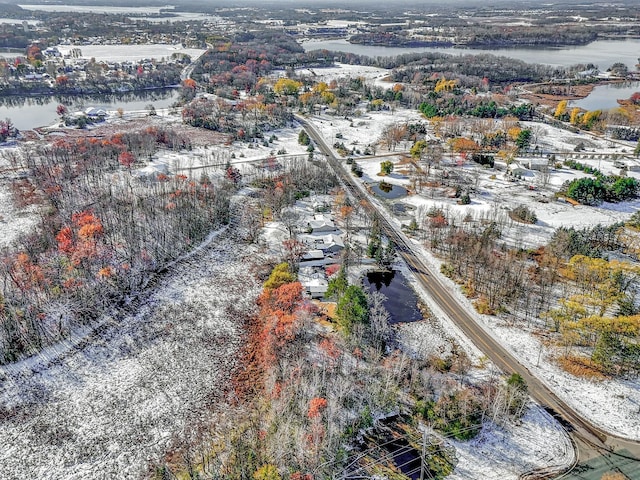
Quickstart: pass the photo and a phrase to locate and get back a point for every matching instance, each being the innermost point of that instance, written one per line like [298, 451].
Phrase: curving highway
[590, 440]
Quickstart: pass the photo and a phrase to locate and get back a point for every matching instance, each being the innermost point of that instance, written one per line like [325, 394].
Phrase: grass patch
[581, 367]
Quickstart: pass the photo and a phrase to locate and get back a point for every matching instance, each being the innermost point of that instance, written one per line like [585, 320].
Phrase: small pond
[388, 190]
[401, 302]
[392, 446]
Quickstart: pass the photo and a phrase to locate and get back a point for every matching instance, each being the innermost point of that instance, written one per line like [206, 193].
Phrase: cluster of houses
[324, 242]
[58, 67]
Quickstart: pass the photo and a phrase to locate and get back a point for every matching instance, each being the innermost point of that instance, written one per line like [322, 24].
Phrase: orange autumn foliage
[282, 300]
[300, 476]
[90, 231]
[81, 243]
[105, 272]
[316, 406]
[276, 324]
[26, 274]
[329, 348]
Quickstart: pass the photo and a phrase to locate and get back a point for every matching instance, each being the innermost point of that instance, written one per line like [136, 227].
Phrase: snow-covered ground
[108, 407]
[14, 221]
[130, 53]
[344, 70]
[537, 441]
[364, 129]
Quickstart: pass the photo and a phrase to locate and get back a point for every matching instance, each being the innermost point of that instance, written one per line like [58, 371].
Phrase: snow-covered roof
[321, 223]
[152, 170]
[95, 112]
[313, 255]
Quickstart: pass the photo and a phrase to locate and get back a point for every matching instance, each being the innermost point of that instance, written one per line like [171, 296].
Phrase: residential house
[321, 223]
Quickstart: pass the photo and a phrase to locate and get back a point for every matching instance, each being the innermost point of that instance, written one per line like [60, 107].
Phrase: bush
[465, 199]
[352, 308]
[447, 270]
[482, 306]
[523, 214]
[591, 191]
[587, 191]
[386, 167]
[280, 275]
[483, 159]
[634, 221]
[458, 414]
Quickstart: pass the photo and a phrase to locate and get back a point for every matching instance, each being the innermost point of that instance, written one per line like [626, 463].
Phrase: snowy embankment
[144, 379]
[538, 441]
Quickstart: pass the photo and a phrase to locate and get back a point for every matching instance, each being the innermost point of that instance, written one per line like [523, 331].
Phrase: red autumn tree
[126, 159]
[189, 83]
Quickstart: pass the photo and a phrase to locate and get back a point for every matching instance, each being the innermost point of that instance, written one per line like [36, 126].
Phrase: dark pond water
[401, 302]
[388, 190]
[38, 111]
[394, 449]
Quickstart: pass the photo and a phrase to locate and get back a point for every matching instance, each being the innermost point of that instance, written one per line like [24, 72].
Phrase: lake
[31, 112]
[603, 97]
[602, 53]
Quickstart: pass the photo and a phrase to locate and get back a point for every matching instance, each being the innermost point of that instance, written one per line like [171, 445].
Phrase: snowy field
[107, 407]
[17, 21]
[14, 221]
[129, 53]
[365, 129]
[344, 70]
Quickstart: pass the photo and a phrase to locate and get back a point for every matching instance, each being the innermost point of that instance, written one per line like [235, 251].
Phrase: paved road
[589, 439]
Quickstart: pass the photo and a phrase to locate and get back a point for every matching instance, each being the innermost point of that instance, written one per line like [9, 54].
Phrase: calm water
[32, 112]
[388, 190]
[602, 53]
[401, 302]
[603, 97]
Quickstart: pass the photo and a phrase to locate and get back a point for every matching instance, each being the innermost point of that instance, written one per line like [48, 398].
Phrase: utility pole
[424, 452]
